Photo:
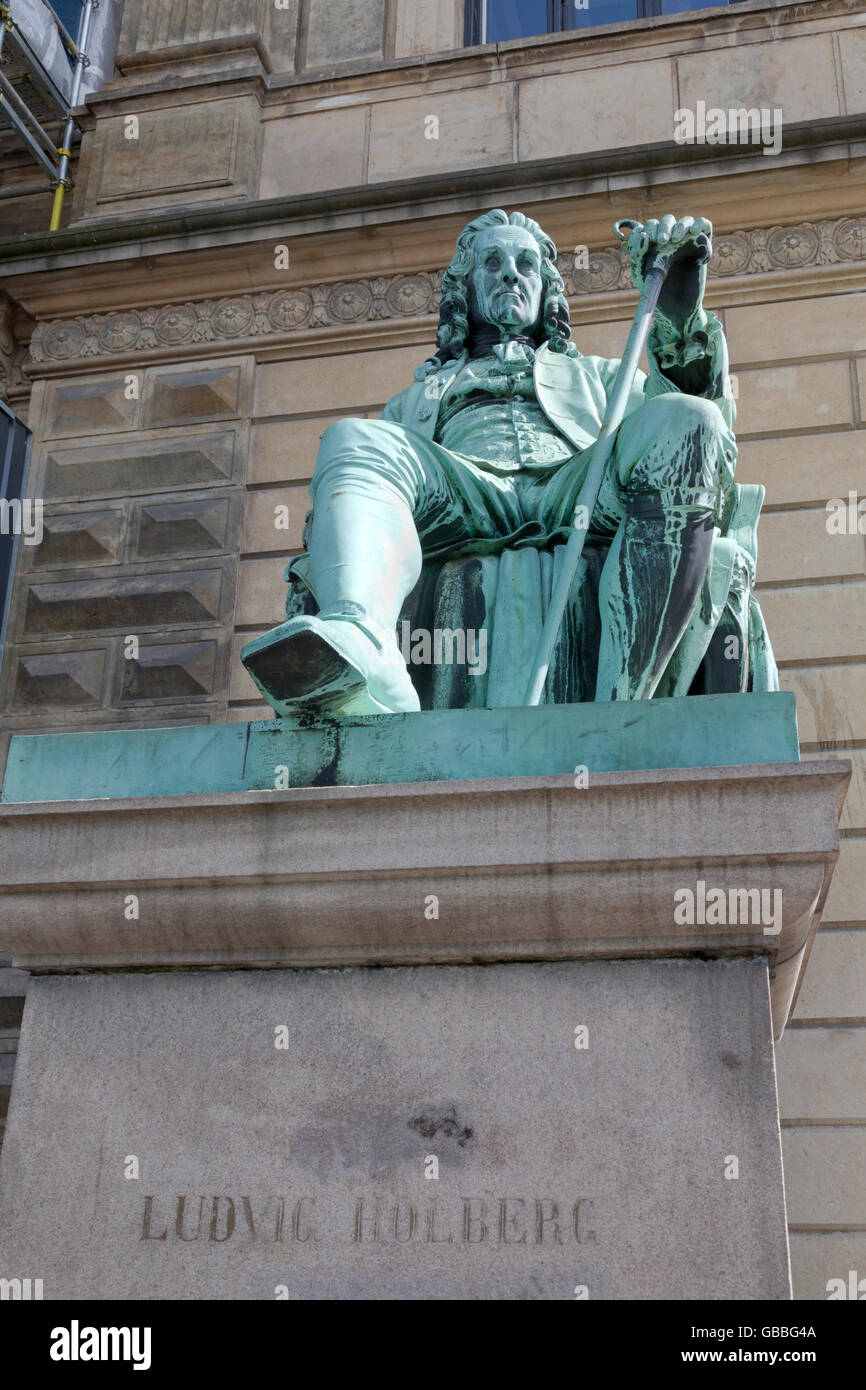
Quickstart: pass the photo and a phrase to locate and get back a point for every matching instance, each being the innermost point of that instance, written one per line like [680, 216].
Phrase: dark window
[14, 457]
[69, 14]
[493, 21]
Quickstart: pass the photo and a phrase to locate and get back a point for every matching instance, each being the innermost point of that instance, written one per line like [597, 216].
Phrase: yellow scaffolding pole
[58, 158]
[64, 150]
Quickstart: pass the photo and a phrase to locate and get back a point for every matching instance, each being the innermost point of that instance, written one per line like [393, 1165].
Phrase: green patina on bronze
[431, 746]
[451, 513]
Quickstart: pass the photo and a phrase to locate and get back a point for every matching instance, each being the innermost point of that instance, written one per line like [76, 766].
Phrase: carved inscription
[218, 1219]
[474, 1221]
[463, 1220]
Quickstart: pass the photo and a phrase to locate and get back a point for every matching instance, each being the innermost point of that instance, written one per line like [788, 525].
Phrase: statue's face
[506, 280]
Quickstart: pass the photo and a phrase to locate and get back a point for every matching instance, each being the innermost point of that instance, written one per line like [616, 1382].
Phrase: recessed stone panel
[184, 395]
[169, 671]
[131, 603]
[77, 538]
[183, 154]
[95, 405]
[58, 680]
[147, 464]
[181, 528]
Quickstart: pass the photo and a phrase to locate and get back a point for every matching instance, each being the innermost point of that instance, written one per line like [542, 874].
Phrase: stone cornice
[275, 316]
[308, 899]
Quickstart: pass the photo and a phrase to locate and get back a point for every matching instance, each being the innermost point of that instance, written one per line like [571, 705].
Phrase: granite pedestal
[430, 1040]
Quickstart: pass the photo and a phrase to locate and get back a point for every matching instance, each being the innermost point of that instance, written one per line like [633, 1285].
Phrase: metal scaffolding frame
[27, 118]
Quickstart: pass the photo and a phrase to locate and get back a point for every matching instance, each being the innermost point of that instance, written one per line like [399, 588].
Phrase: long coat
[573, 392]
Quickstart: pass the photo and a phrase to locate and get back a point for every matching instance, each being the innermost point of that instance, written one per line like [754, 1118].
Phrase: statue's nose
[509, 275]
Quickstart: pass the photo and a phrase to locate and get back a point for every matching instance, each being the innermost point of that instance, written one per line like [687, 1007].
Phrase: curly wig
[453, 332]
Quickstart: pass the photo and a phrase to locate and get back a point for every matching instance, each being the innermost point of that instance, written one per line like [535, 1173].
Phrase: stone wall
[182, 368]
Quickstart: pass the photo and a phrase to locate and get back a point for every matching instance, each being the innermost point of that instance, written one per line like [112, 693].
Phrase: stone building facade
[265, 198]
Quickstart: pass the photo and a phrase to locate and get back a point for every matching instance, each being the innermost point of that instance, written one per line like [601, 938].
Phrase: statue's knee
[349, 440]
[685, 416]
[339, 435]
[686, 432]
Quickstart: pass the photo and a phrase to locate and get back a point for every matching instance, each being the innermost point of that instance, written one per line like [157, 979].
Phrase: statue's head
[503, 277]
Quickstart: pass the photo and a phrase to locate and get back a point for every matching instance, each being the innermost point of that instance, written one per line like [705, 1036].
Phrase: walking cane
[653, 281]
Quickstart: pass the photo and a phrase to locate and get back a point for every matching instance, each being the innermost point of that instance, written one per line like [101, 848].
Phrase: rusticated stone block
[77, 538]
[90, 405]
[184, 527]
[796, 545]
[261, 593]
[845, 899]
[131, 603]
[815, 1069]
[57, 680]
[183, 395]
[149, 463]
[169, 671]
[835, 983]
[786, 467]
[353, 380]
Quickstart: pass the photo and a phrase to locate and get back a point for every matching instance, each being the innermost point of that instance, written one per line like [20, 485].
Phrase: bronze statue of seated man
[489, 448]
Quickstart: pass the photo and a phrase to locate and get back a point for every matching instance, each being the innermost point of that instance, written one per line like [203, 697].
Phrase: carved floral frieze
[276, 313]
